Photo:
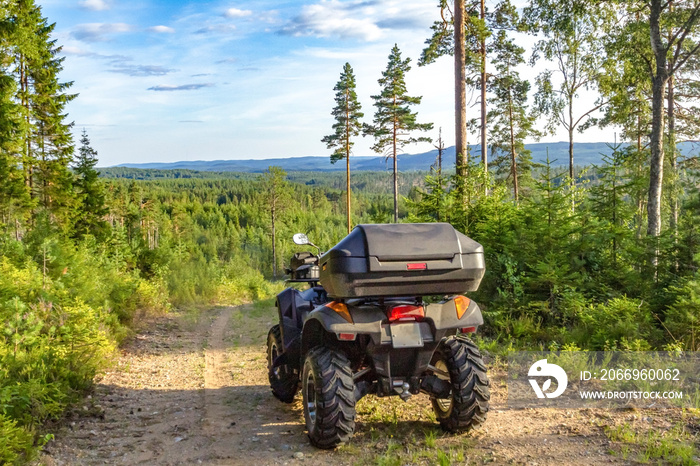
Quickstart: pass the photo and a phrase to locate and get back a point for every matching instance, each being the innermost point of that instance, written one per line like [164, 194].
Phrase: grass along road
[191, 388]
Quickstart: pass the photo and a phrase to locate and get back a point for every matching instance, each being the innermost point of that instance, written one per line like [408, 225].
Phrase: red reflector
[468, 330]
[346, 336]
[422, 266]
[406, 312]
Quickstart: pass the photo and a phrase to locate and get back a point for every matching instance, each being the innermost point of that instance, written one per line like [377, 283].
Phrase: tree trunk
[671, 145]
[513, 161]
[656, 165]
[638, 172]
[27, 162]
[572, 180]
[274, 245]
[347, 154]
[396, 180]
[347, 167]
[460, 91]
[571, 140]
[484, 153]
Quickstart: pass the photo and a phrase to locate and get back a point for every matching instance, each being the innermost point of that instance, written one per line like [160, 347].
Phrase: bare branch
[589, 112]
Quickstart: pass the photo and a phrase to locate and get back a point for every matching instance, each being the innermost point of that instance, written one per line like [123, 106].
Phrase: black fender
[326, 322]
[444, 315]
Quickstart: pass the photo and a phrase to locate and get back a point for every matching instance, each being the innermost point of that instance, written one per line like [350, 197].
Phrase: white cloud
[347, 20]
[366, 20]
[98, 32]
[236, 13]
[140, 70]
[184, 87]
[69, 50]
[216, 29]
[94, 5]
[161, 29]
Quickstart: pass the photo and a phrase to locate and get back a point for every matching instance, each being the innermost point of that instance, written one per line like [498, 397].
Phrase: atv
[383, 314]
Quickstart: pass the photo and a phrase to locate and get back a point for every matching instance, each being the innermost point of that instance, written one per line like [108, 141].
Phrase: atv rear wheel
[328, 390]
[459, 362]
[284, 381]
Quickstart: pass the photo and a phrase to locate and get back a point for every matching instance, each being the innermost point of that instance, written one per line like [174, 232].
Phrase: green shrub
[617, 324]
[16, 443]
[58, 329]
[683, 316]
[247, 286]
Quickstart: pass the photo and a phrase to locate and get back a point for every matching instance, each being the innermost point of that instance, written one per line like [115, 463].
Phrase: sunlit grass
[672, 446]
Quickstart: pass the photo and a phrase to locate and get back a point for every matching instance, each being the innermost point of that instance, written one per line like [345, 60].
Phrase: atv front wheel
[283, 380]
[459, 362]
[328, 390]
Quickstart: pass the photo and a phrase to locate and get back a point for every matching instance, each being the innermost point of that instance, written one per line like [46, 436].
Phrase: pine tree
[347, 116]
[393, 120]
[90, 192]
[471, 36]
[512, 122]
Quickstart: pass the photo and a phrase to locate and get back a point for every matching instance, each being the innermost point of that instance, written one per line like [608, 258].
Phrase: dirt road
[191, 388]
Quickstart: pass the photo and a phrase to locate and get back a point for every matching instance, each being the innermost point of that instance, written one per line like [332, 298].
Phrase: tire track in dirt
[185, 390]
[242, 419]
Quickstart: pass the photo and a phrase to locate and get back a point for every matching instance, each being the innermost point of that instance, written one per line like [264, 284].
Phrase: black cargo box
[405, 259]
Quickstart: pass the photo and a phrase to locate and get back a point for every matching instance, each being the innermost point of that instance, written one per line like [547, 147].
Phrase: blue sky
[207, 80]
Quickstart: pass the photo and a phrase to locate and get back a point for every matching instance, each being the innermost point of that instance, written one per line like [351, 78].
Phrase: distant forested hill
[584, 153]
[362, 181]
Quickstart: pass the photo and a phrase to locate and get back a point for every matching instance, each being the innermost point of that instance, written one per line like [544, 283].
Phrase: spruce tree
[393, 120]
[347, 116]
[91, 208]
[550, 239]
[43, 143]
[14, 198]
[24, 20]
[52, 138]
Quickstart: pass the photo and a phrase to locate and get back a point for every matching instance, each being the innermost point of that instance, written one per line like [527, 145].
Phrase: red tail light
[406, 312]
[422, 266]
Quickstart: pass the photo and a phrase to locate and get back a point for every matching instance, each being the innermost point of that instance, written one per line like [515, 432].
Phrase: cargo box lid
[406, 242]
[409, 241]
